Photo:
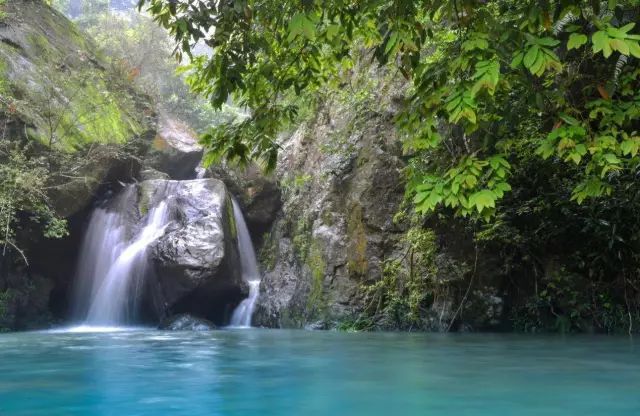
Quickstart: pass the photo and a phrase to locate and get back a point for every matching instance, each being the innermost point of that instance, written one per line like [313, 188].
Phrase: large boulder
[175, 149]
[196, 266]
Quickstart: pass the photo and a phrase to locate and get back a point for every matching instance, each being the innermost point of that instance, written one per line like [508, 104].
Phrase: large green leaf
[483, 199]
[576, 40]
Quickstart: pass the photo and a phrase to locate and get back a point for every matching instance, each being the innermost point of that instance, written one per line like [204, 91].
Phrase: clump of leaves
[23, 196]
[456, 56]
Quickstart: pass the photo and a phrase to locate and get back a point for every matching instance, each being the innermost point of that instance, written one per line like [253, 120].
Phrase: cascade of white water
[112, 266]
[242, 314]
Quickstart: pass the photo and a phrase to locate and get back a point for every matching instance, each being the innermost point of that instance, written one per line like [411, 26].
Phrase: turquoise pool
[278, 372]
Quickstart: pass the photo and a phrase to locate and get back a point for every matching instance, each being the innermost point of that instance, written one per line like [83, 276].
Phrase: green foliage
[579, 253]
[564, 305]
[610, 38]
[402, 298]
[538, 56]
[260, 52]
[23, 193]
[486, 178]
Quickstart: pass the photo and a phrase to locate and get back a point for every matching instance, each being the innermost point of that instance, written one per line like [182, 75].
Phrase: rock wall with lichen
[60, 95]
[341, 180]
[344, 250]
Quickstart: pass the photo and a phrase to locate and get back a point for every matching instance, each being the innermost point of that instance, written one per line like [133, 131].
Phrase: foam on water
[89, 329]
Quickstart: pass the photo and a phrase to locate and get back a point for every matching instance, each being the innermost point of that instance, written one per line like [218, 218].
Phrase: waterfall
[249, 264]
[112, 265]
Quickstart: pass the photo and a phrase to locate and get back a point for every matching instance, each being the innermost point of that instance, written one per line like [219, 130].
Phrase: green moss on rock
[144, 198]
[60, 87]
[316, 301]
[302, 238]
[231, 218]
[268, 252]
[357, 253]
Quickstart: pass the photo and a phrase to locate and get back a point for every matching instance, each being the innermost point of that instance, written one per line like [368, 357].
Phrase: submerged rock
[186, 322]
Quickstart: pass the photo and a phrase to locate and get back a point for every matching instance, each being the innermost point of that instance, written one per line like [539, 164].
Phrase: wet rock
[342, 182]
[150, 174]
[186, 322]
[258, 194]
[24, 301]
[196, 266]
[341, 189]
[317, 326]
[484, 309]
[175, 149]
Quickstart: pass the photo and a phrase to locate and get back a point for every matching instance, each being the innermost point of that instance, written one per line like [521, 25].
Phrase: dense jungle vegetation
[519, 124]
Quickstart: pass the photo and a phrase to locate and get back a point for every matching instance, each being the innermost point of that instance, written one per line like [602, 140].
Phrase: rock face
[196, 268]
[62, 94]
[175, 150]
[24, 301]
[259, 196]
[341, 189]
[186, 322]
[335, 238]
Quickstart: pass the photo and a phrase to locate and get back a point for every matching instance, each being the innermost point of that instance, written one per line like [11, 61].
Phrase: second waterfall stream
[250, 273]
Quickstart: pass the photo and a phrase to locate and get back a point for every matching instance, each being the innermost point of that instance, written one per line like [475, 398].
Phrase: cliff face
[342, 184]
[63, 102]
[62, 96]
[341, 253]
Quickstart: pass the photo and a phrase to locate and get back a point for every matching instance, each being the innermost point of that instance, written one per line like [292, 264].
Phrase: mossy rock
[357, 238]
[69, 102]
